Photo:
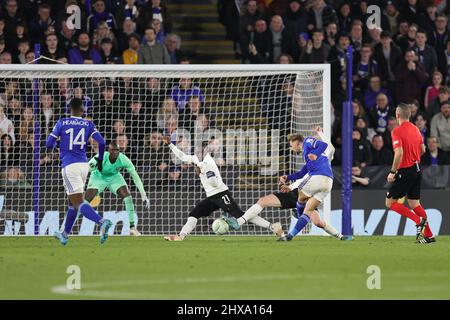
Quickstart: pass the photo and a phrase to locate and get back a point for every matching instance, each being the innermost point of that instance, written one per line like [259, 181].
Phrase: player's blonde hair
[295, 137]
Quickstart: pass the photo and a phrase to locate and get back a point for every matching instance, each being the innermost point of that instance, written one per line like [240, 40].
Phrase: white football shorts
[317, 187]
[75, 177]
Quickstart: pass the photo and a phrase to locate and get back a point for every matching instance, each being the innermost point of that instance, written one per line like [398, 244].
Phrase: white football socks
[332, 231]
[261, 222]
[252, 212]
[188, 227]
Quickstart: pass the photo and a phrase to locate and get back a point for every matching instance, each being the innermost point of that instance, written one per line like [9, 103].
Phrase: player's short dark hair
[404, 111]
[114, 144]
[295, 137]
[76, 104]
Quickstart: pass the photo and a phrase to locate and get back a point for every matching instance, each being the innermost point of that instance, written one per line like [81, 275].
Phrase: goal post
[241, 114]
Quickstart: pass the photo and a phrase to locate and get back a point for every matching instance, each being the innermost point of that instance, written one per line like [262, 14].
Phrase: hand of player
[312, 157]
[318, 129]
[166, 140]
[285, 188]
[99, 164]
[391, 177]
[283, 180]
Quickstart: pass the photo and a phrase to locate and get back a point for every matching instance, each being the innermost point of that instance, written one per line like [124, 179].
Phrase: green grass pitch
[224, 268]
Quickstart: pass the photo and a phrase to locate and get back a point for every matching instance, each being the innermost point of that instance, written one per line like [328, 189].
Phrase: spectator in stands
[14, 112]
[215, 148]
[361, 149]
[409, 40]
[302, 42]
[282, 40]
[7, 156]
[444, 63]
[425, 53]
[6, 125]
[366, 132]
[26, 134]
[155, 9]
[40, 24]
[345, 17]
[358, 110]
[124, 147]
[296, 17]
[246, 27]
[160, 34]
[152, 52]
[337, 61]
[260, 47]
[358, 179]
[128, 10]
[373, 91]
[52, 51]
[414, 106]
[173, 45]
[123, 37]
[67, 37]
[2, 45]
[49, 113]
[155, 156]
[421, 124]
[22, 48]
[100, 14]
[130, 55]
[30, 57]
[189, 115]
[389, 56]
[167, 111]
[182, 93]
[331, 32]
[5, 58]
[374, 36]
[102, 32]
[320, 15]
[78, 92]
[434, 155]
[118, 128]
[392, 124]
[432, 91]
[137, 121]
[381, 156]
[393, 16]
[411, 76]
[403, 28]
[12, 17]
[13, 177]
[317, 50]
[285, 59]
[380, 114]
[108, 104]
[84, 53]
[427, 19]
[435, 106]
[364, 68]
[107, 52]
[154, 94]
[2, 29]
[440, 126]
[356, 35]
[439, 37]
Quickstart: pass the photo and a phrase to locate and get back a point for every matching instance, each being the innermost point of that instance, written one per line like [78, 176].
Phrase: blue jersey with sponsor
[74, 133]
[321, 166]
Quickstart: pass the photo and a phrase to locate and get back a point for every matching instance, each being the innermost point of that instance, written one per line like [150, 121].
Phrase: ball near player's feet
[220, 226]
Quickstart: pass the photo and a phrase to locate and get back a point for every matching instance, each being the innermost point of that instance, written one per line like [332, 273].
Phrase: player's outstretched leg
[129, 206]
[190, 225]
[105, 224]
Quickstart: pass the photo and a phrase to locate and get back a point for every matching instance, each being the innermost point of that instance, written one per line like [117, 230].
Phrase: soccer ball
[220, 226]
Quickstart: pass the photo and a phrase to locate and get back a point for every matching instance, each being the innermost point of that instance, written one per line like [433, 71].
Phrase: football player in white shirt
[217, 196]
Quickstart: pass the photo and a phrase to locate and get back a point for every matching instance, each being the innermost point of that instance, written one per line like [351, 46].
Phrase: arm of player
[182, 156]
[50, 143]
[92, 164]
[398, 155]
[101, 149]
[298, 175]
[330, 150]
[129, 166]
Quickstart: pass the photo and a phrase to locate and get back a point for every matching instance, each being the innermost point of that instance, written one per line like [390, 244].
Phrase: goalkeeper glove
[146, 203]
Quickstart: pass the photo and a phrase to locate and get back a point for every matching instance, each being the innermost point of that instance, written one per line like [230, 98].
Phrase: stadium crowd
[405, 60]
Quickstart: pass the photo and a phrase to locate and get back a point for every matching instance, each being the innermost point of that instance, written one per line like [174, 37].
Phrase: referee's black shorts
[407, 183]
[288, 200]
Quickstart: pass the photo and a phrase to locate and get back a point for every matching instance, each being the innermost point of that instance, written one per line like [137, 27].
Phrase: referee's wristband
[393, 172]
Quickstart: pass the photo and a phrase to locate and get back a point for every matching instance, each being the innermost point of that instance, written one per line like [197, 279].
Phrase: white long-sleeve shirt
[209, 172]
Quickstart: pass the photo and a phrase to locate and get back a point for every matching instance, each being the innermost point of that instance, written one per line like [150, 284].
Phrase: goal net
[240, 114]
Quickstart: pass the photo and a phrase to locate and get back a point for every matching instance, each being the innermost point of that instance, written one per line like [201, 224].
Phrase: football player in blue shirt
[74, 133]
[317, 186]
